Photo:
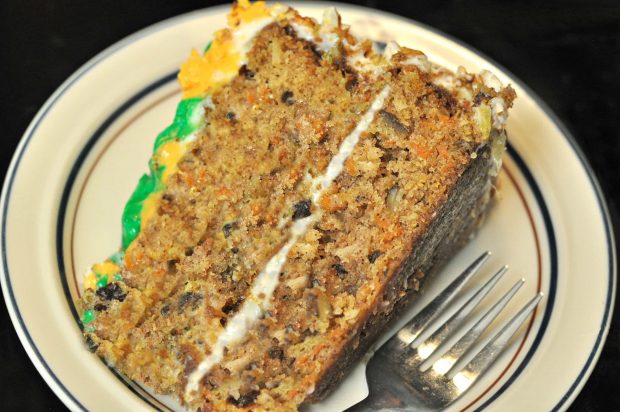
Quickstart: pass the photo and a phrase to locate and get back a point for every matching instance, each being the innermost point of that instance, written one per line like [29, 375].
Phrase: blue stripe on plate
[66, 193]
[553, 269]
[611, 253]
[90, 143]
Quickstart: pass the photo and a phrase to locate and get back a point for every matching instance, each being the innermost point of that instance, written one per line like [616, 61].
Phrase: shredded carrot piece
[159, 273]
[331, 203]
[251, 97]
[294, 175]
[256, 208]
[189, 180]
[391, 235]
[283, 153]
[350, 167]
[382, 221]
[223, 192]
[421, 150]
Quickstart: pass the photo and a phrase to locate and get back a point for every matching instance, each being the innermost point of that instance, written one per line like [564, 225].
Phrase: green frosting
[102, 281]
[187, 120]
[131, 214]
[88, 317]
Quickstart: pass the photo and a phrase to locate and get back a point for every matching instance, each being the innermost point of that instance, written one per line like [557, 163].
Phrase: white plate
[84, 151]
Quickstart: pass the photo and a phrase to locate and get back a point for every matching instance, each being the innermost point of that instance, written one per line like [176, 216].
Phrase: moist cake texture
[307, 185]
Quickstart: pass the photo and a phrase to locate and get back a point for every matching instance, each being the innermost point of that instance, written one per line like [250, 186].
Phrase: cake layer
[326, 180]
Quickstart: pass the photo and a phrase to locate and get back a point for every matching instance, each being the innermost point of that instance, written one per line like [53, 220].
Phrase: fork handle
[380, 403]
[389, 393]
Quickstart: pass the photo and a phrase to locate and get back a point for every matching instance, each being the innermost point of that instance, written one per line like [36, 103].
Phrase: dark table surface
[567, 52]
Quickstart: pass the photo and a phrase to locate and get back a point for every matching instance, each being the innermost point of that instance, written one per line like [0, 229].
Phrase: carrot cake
[309, 181]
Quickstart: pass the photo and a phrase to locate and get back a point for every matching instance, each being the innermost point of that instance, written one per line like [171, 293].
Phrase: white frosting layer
[321, 183]
[491, 80]
[390, 50]
[303, 31]
[326, 37]
[267, 280]
[499, 112]
[244, 35]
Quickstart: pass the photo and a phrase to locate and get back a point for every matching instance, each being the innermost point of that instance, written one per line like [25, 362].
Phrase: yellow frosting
[217, 67]
[149, 207]
[90, 281]
[99, 271]
[106, 268]
[246, 12]
[169, 156]
[200, 74]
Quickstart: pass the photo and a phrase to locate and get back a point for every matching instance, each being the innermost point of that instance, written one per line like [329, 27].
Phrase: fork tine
[433, 344]
[450, 360]
[483, 359]
[413, 328]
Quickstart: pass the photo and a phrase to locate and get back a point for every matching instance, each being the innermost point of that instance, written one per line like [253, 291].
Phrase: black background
[567, 52]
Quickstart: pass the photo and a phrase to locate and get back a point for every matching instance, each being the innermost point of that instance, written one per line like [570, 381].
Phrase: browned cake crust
[455, 223]
[414, 189]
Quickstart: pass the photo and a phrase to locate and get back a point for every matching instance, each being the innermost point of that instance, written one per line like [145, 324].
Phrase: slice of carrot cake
[308, 183]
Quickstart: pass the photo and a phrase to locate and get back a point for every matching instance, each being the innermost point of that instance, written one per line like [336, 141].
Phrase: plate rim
[22, 331]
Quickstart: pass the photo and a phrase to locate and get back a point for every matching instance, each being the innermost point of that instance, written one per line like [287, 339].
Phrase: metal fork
[411, 372]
